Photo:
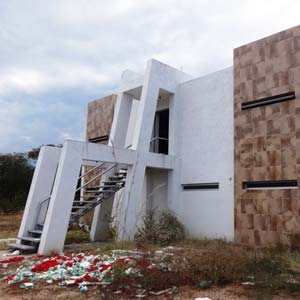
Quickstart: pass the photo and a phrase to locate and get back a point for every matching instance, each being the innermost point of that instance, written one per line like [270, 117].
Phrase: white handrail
[100, 174]
[91, 170]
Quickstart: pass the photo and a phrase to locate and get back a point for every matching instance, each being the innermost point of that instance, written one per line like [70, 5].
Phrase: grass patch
[77, 236]
[277, 271]
[221, 262]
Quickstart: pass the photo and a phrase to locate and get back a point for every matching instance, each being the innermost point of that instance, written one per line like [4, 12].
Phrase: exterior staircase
[88, 200]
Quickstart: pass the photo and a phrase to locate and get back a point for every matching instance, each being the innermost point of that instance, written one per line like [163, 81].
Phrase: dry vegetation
[9, 225]
[199, 268]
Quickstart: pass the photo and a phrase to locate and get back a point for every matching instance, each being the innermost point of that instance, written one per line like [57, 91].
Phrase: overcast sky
[56, 56]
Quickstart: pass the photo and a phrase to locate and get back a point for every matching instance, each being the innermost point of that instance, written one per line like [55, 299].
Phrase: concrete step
[114, 185]
[91, 191]
[119, 177]
[22, 248]
[107, 191]
[30, 239]
[34, 231]
[123, 173]
[79, 207]
[82, 201]
[113, 182]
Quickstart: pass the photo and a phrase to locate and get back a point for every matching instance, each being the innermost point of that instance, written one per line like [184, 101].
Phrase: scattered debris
[27, 285]
[86, 270]
[14, 253]
[204, 284]
[248, 283]
[12, 260]
[166, 292]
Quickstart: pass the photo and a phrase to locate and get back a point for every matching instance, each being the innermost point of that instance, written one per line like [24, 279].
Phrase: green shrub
[163, 230]
[169, 229]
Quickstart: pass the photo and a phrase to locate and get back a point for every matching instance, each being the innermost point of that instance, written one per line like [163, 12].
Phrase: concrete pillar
[174, 176]
[41, 186]
[60, 206]
[174, 188]
[147, 109]
[132, 202]
[141, 143]
[102, 213]
[121, 120]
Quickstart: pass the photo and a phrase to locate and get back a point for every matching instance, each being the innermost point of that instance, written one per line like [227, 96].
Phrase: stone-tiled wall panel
[267, 139]
[99, 120]
[100, 116]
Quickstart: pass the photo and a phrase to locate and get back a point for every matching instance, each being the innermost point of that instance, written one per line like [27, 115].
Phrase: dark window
[201, 186]
[284, 184]
[163, 132]
[99, 139]
[269, 100]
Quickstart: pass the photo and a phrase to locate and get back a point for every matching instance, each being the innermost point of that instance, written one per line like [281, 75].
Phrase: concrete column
[174, 188]
[60, 206]
[41, 186]
[132, 199]
[132, 202]
[173, 121]
[102, 213]
[147, 108]
[121, 119]
[174, 176]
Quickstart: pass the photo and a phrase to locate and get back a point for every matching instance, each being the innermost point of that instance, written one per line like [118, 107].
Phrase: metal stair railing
[97, 176]
[92, 200]
[42, 212]
[43, 205]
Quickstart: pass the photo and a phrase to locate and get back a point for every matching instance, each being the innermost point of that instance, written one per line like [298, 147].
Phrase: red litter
[12, 260]
[45, 266]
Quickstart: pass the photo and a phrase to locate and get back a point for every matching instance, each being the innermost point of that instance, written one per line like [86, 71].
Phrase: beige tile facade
[99, 120]
[100, 116]
[267, 138]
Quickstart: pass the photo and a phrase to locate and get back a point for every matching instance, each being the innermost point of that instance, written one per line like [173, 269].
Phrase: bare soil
[9, 225]
[52, 292]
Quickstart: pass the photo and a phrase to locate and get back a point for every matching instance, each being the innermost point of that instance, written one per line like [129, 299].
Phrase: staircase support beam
[60, 206]
[41, 186]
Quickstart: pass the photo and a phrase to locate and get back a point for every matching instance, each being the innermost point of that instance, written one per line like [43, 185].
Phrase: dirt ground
[51, 292]
[9, 225]
[43, 290]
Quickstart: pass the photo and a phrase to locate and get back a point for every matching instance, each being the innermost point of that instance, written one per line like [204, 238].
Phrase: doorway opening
[160, 135]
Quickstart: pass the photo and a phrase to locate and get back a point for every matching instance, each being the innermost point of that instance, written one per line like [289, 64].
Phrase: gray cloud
[57, 55]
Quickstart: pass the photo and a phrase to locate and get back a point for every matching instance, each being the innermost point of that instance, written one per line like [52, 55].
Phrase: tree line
[16, 171]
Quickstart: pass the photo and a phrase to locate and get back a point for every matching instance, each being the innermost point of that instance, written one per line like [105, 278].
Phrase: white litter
[14, 253]
[248, 283]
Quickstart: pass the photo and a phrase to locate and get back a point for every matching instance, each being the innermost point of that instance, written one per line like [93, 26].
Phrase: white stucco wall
[202, 142]
[157, 190]
[132, 122]
[206, 153]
